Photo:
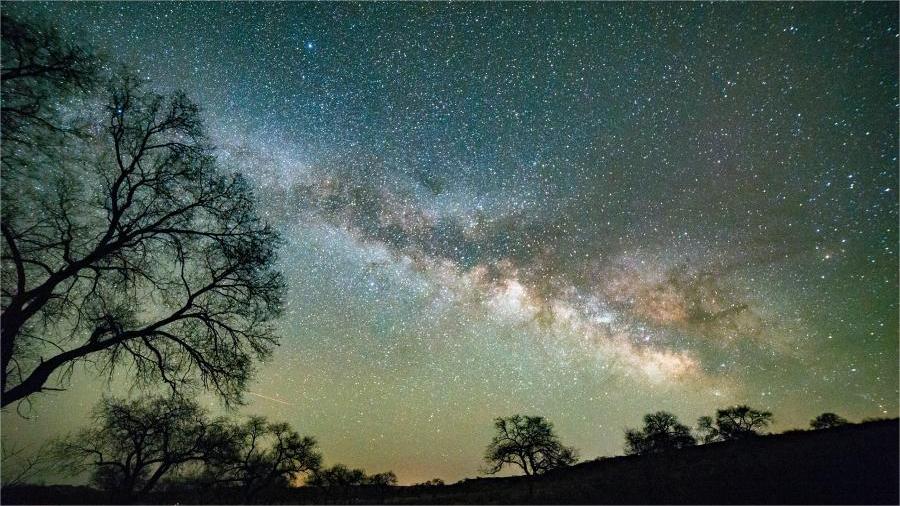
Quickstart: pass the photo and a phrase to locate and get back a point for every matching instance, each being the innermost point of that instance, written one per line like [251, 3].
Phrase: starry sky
[587, 211]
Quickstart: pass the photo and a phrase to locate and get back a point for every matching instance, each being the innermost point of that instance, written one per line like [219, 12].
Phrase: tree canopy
[737, 422]
[661, 432]
[827, 421]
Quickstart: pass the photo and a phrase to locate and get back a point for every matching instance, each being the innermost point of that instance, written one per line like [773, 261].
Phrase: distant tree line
[135, 446]
[132, 447]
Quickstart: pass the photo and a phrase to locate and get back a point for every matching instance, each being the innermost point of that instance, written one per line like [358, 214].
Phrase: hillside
[850, 465]
[855, 464]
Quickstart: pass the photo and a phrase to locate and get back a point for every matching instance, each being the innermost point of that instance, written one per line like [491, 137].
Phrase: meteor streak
[266, 397]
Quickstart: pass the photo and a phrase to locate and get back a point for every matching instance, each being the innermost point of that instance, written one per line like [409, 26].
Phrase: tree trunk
[151, 482]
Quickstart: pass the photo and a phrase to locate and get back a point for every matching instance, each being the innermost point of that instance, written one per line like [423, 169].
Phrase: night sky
[582, 211]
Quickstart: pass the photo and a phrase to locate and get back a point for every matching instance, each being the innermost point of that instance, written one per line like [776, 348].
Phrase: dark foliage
[340, 483]
[337, 475]
[827, 421]
[434, 482]
[661, 432]
[387, 478]
[737, 422]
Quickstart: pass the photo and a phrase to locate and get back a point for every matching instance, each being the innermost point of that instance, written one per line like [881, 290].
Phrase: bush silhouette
[827, 421]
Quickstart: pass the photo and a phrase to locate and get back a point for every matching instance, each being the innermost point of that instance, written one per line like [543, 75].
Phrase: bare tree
[132, 444]
[529, 443]
[661, 432]
[737, 422]
[134, 247]
[258, 454]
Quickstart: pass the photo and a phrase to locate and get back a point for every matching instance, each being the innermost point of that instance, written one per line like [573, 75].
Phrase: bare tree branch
[142, 253]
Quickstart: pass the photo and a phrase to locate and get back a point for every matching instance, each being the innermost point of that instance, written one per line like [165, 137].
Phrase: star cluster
[586, 211]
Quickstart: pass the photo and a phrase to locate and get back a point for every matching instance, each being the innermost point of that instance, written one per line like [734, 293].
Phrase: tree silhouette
[258, 454]
[337, 476]
[137, 249]
[827, 421]
[387, 478]
[737, 422]
[706, 429]
[132, 444]
[661, 432]
[529, 443]
[434, 482]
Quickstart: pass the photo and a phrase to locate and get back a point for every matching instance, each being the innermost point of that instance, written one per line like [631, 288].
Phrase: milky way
[583, 211]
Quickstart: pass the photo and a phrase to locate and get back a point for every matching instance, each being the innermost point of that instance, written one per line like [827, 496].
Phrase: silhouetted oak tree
[661, 432]
[529, 443]
[128, 244]
[132, 444]
[827, 421]
[737, 422]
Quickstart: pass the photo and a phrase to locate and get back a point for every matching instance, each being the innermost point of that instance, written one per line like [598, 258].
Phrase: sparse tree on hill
[661, 432]
[827, 421]
[737, 422]
[529, 443]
